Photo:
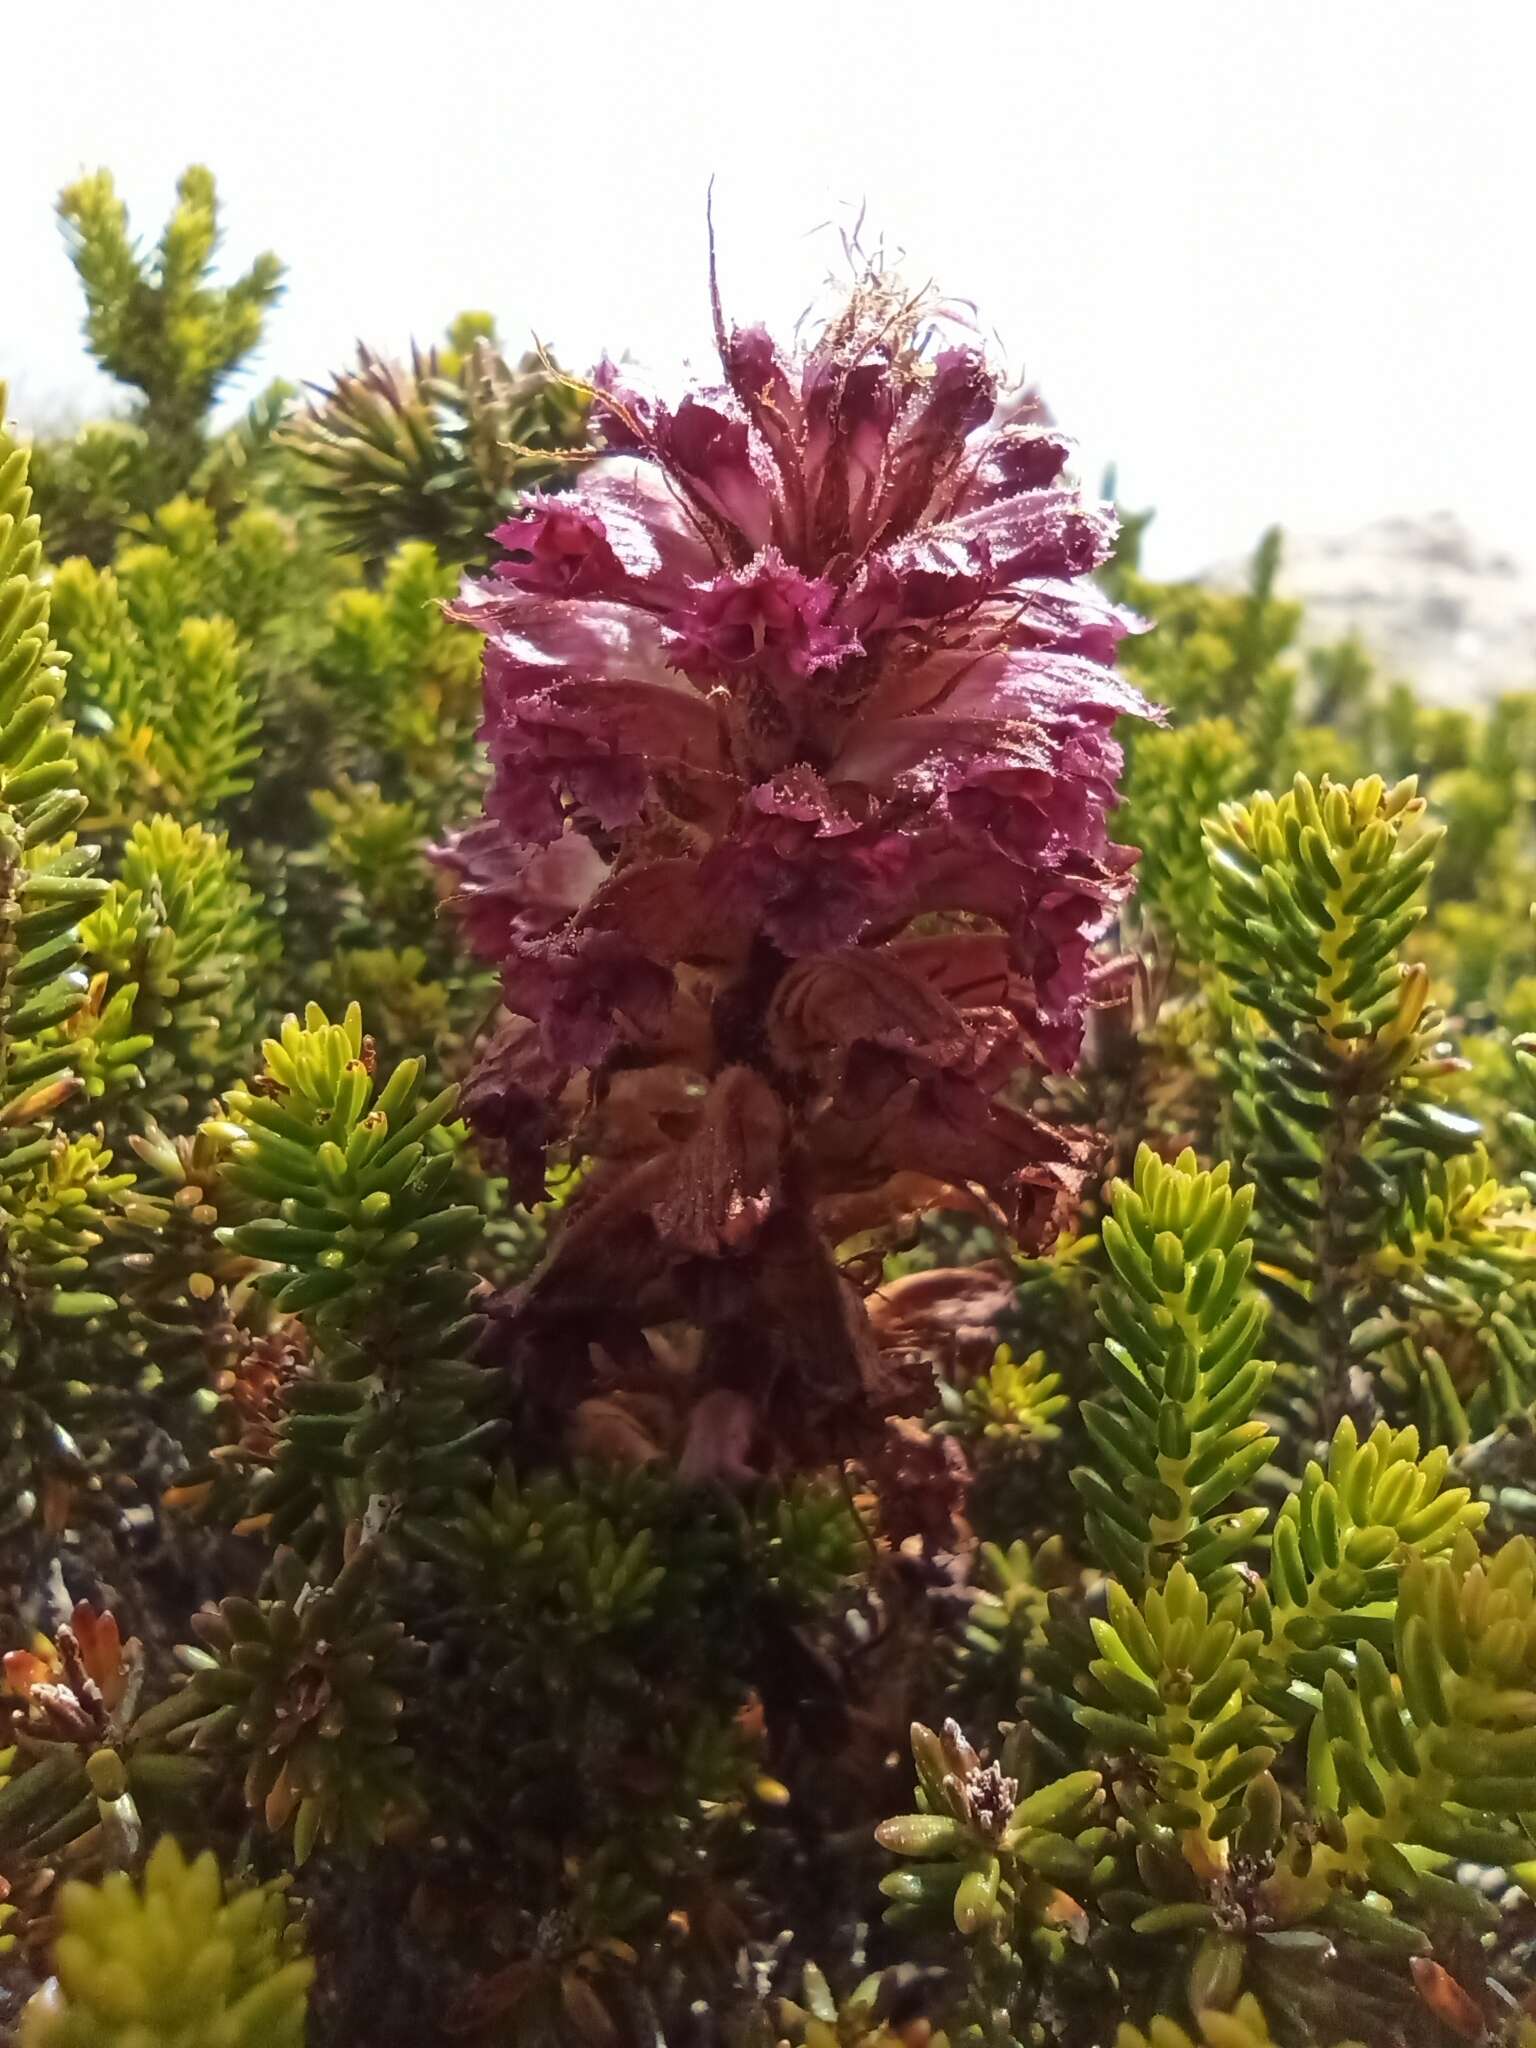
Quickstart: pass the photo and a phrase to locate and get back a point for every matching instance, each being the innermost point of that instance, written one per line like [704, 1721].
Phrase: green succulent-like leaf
[166, 699]
[1172, 1689]
[1177, 779]
[1243, 2027]
[1178, 1437]
[1452, 1333]
[985, 1851]
[819, 2019]
[1341, 1544]
[1333, 1057]
[408, 676]
[1011, 1406]
[55, 1191]
[351, 1184]
[1005, 1627]
[1423, 1756]
[176, 945]
[307, 1689]
[1317, 891]
[174, 1961]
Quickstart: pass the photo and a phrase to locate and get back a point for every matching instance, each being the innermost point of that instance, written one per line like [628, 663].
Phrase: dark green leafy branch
[351, 1182]
[1181, 1328]
[1335, 1080]
[440, 447]
[156, 322]
[1294, 1769]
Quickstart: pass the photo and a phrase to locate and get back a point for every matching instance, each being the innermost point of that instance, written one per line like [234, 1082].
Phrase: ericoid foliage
[171, 1962]
[870, 1429]
[227, 667]
[157, 323]
[440, 448]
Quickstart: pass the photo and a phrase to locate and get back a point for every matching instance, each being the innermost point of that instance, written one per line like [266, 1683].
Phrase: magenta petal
[586, 990]
[668, 909]
[712, 455]
[932, 443]
[766, 616]
[812, 903]
[1044, 534]
[656, 542]
[1014, 460]
[600, 743]
[537, 640]
[1041, 685]
[728, 1174]
[649, 722]
[911, 586]
[811, 876]
[761, 380]
[831, 1002]
[622, 413]
[559, 551]
[1076, 618]
[866, 415]
[850, 410]
[506, 891]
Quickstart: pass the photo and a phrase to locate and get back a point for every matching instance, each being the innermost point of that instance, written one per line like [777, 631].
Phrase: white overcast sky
[1275, 259]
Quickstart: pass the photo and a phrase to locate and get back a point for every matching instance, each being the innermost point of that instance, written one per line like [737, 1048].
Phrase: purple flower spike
[800, 715]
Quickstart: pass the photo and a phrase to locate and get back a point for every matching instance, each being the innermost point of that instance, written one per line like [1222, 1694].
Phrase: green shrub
[705, 1479]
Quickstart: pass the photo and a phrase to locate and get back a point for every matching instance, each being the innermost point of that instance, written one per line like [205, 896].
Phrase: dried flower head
[81, 1687]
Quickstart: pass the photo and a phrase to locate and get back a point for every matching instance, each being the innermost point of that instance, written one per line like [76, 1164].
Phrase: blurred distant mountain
[1456, 619]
